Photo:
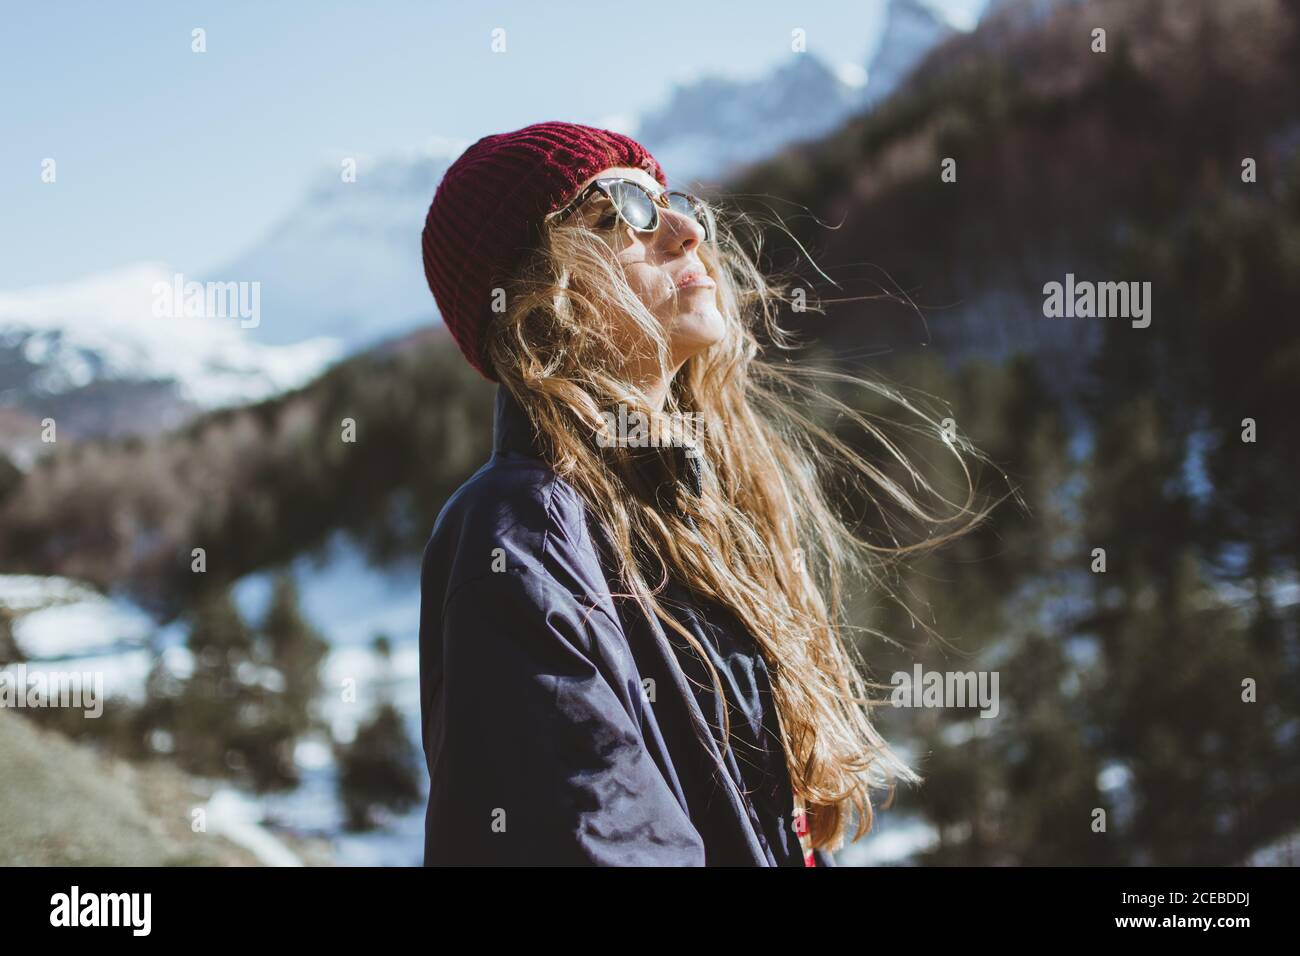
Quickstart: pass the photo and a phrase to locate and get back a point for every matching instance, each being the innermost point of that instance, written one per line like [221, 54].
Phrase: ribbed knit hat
[488, 210]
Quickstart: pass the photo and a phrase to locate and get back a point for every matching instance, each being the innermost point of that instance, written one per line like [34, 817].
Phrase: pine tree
[380, 769]
[228, 719]
[296, 650]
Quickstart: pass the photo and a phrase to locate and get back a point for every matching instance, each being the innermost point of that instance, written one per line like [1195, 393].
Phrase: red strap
[801, 828]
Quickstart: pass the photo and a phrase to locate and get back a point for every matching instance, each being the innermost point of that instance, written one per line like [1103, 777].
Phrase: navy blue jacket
[558, 723]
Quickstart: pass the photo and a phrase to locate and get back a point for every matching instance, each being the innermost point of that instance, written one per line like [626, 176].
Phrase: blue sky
[167, 155]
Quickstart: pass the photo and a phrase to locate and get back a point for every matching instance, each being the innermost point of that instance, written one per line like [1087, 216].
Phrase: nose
[679, 234]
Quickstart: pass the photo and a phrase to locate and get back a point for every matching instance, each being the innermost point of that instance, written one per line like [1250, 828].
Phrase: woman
[631, 641]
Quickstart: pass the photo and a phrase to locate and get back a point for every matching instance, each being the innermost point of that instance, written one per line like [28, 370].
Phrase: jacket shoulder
[513, 514]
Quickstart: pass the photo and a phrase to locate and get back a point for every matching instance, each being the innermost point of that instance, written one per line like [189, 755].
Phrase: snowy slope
[62, 337]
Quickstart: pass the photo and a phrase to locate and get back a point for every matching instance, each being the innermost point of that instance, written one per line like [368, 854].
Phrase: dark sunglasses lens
[633, 204]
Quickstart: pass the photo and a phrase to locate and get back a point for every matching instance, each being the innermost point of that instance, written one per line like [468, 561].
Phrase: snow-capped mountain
[340, 272]
[95, 353]
[712, 126]
[912, 29]
[107, 326]
[345, 263]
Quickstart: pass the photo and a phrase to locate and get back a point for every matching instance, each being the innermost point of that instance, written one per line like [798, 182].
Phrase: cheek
[652, 286]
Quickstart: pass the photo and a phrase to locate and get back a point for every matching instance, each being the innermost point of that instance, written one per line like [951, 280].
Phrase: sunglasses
[638, 207]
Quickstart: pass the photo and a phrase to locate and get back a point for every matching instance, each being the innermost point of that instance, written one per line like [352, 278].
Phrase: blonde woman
[631, 645]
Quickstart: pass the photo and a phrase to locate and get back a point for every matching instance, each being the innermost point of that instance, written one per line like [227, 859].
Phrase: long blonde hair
[764, 538]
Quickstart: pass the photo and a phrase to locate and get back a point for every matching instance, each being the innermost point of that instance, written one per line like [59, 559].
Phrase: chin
[698, 331]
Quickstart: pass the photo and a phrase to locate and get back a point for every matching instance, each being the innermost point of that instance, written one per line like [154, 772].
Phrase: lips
[695, 279]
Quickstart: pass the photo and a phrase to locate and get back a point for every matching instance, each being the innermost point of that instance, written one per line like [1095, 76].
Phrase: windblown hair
[766, 538]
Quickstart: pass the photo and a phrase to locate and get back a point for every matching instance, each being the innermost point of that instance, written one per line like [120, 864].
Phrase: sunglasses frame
[659, 200]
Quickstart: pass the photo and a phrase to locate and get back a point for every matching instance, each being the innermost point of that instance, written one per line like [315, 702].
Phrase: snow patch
[237, 817]
[103, 327]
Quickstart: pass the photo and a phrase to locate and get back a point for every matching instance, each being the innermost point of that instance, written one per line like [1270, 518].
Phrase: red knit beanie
[489, 207]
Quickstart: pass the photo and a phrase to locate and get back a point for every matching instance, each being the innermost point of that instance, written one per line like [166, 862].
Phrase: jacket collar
[513, 432]
[512, 429]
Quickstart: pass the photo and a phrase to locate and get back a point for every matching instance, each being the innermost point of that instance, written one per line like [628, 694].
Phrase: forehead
[624, 172]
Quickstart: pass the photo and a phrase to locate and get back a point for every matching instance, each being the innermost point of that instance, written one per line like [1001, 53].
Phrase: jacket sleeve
[534, 759]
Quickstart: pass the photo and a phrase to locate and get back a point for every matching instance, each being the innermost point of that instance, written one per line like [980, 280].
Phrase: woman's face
[664, 269]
